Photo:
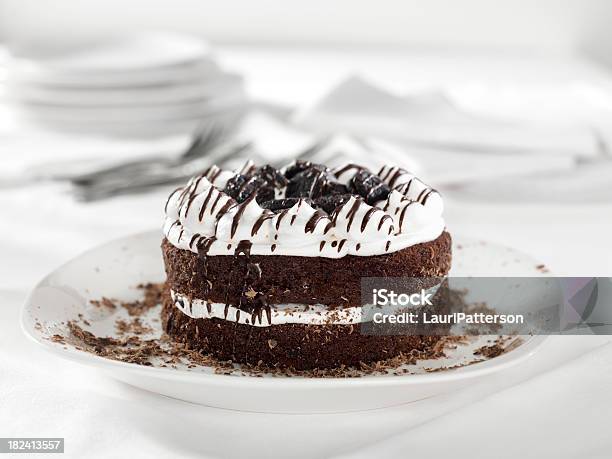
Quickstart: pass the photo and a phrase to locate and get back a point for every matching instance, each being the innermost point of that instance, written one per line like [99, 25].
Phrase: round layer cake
[264, 266]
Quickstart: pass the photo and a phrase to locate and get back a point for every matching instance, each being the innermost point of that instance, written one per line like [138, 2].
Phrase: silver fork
[202, 142]
[208, 145]
[166, 174]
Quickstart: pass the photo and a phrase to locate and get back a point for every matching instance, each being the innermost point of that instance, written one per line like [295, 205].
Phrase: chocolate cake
[264, 266]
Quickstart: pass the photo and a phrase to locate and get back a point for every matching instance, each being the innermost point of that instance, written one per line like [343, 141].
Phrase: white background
[559, 26]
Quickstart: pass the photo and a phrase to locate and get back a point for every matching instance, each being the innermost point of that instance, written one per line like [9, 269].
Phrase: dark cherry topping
[265, 194]
[261, 181]
[331, 202]
[370, 187]
[271, 176]
[280, 204]
[297, 167]
[238, 187]
[336, 188]
[306, 184]
[313, 181]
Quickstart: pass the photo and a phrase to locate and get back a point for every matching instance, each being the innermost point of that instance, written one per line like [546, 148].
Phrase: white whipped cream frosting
[200, 211]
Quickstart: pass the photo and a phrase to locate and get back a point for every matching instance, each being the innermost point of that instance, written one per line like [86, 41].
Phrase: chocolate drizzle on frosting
[367, 217]
[314, 221]
[383, 219]
[239, 212]
[213, 173]
[352, 212]
[203, 208]
[403, 213]
[280, 218]
[406, 183]
[260, 220]
[170, 197]
[215, 202]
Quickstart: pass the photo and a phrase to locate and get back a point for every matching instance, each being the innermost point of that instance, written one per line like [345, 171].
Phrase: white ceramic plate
[130, 114]
[112, 270]
[182, 92]
[228, 116]
[123, 60]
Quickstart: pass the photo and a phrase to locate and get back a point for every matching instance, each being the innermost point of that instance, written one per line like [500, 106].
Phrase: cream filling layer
[311, 314]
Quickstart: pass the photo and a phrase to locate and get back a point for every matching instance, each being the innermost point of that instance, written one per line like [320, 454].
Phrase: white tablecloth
[557, 404]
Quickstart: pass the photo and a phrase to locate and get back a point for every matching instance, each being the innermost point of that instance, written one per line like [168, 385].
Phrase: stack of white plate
[140, 84]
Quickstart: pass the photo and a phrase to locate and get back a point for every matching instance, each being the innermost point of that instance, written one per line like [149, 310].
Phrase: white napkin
[432, 119]
[470, 155]
[589, 182]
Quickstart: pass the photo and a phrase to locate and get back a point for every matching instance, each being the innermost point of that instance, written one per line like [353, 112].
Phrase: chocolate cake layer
[304, 280]
[299, 346]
